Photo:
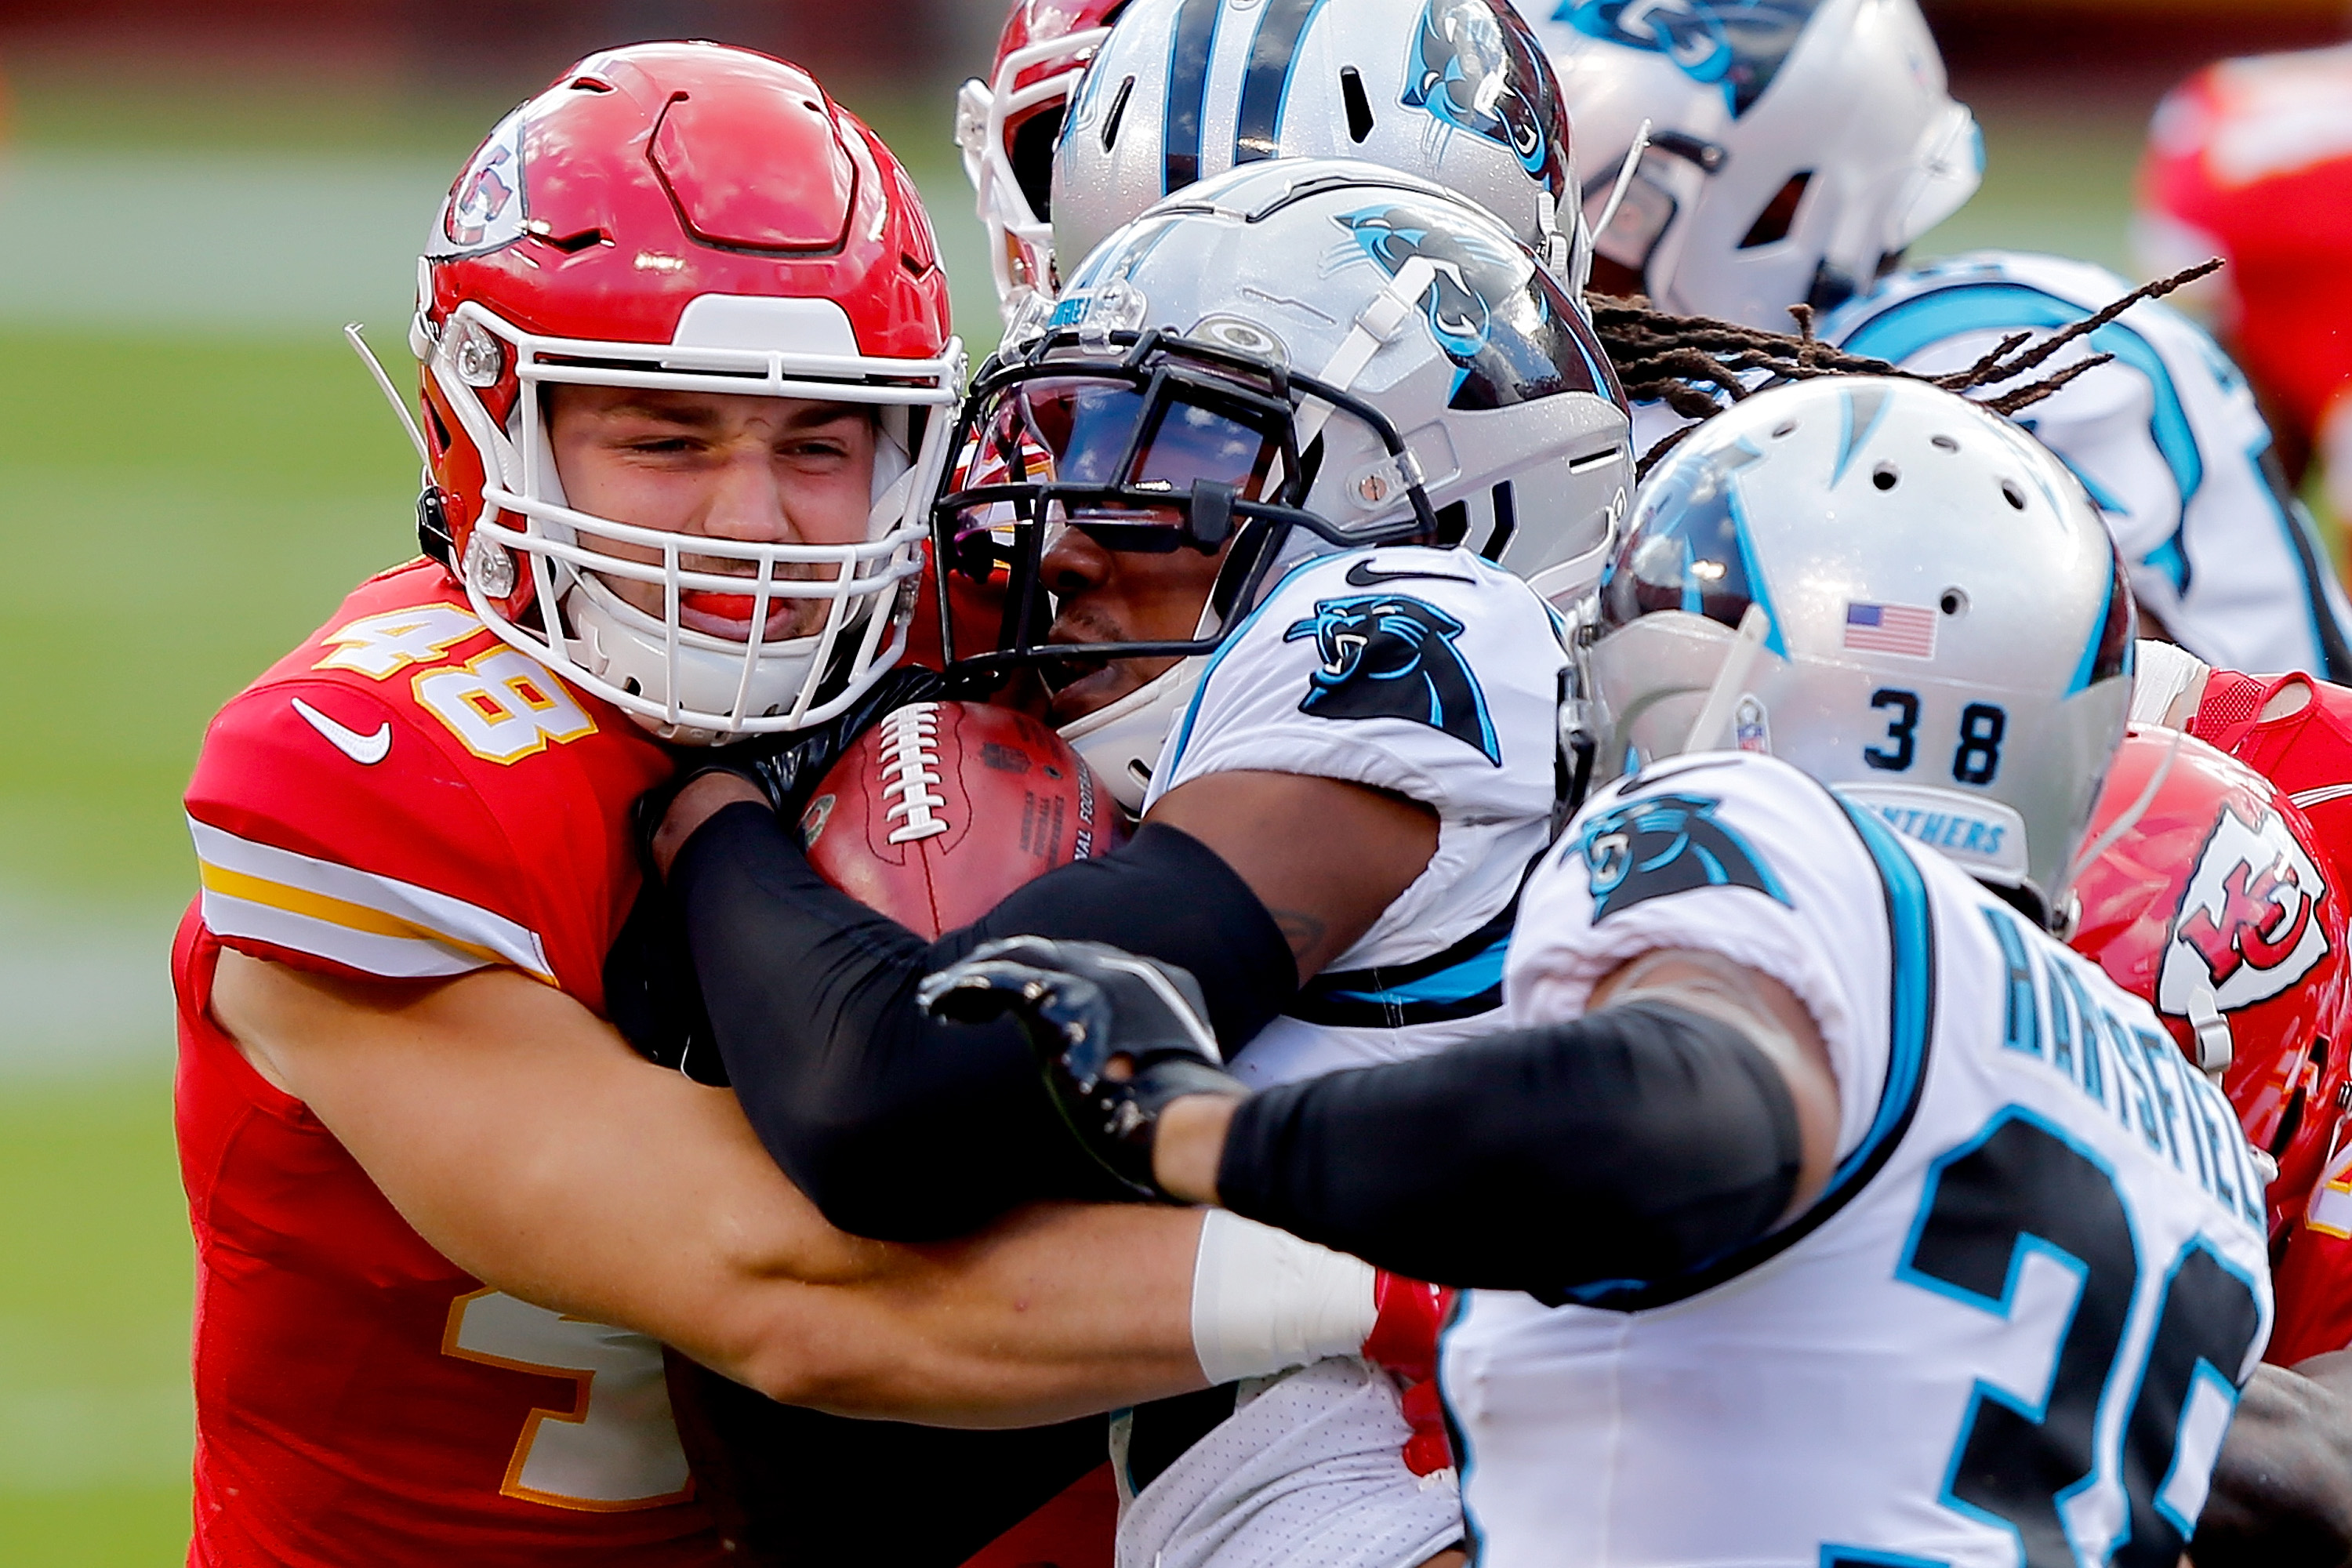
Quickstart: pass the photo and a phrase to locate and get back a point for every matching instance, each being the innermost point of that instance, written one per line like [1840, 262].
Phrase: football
[941, 809]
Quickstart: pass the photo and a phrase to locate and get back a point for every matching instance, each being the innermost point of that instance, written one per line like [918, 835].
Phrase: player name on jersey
[2127, 1066]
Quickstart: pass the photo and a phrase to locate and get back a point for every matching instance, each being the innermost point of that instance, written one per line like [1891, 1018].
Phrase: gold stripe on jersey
[2331, 1206]
[375, 924]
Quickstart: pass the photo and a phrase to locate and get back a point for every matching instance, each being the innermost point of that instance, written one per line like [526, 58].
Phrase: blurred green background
[193, 471]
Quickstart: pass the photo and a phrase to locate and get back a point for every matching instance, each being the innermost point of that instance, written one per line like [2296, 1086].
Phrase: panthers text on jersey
[402, 797]
[1435, 675]
[2013, 1328]
[2166, 439]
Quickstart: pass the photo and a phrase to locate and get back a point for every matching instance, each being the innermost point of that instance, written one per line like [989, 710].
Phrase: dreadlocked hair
[1698, 366]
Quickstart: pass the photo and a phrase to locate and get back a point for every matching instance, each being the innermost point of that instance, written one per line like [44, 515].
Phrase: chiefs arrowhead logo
[483, 210]
[2246, 926]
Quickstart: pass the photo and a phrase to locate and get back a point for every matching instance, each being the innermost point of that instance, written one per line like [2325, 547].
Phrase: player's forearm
[531, 1148]
[1651, 1137]
[1057, 1311]
[893, 1129]
[2281, 1494]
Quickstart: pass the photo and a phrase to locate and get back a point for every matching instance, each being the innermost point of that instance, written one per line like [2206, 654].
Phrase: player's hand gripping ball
[936, 812]
[1118, 1037]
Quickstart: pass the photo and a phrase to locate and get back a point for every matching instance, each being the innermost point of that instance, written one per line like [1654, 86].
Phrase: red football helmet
[1007, 126]
[2217, 906]
[2251, 160]
[694, 217]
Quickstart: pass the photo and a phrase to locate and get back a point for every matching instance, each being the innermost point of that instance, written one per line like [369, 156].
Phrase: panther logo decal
[1740, 43]
[1386, 656]
[1511, 333]
[1664, 844]
[1476, 68]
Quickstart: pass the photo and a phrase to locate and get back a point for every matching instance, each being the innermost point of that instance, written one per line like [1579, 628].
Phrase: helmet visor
[1686, 551]
[1114, 436]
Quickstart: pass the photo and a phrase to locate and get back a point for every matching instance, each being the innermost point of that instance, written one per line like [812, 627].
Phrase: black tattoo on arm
[1303, 931]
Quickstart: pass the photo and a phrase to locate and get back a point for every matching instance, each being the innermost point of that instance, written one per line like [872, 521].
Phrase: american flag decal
[1906, 629]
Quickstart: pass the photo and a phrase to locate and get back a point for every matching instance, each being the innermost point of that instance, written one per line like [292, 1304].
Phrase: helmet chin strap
[1379, 323]
[1625, 172]
[1714, 714]
[354, 333]
[2131, 818]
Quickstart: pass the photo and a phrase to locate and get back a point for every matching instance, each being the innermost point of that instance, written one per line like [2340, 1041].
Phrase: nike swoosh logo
[365, 750]
[1364, 575]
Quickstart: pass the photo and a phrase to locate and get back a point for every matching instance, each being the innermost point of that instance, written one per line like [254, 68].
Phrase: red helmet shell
[2220, 885]
[2247, 161]
[1034, 22]
[647, 178]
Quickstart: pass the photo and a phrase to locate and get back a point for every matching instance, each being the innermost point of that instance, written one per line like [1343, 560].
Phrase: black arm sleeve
[1636, 1143]
[904, 1130]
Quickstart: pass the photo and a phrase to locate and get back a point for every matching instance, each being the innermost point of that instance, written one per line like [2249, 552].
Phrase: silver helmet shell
[1393, 292]
[1457, 91]
[1795, 145]
[1936, 624]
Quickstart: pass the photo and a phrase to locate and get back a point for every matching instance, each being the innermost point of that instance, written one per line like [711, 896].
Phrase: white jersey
[1431, 674]
[2166, 439]
[2019, 1315]
[1436, 676]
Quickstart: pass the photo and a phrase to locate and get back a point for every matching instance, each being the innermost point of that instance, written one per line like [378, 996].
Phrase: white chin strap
[625, 647]
[1122, 742]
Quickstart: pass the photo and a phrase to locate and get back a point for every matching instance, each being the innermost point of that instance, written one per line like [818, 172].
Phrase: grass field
[191, 472]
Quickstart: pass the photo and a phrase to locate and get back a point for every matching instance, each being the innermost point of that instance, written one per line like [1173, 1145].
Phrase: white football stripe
[377, 924]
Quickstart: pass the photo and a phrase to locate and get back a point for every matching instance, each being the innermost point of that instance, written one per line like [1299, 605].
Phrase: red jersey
[2307, 754]
[403, 796]
[2251, 160]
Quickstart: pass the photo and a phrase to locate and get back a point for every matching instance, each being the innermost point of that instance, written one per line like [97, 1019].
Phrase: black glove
[786, 767]
[1087, 1010]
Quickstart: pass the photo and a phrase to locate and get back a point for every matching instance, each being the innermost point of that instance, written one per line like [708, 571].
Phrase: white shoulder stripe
[378, 925]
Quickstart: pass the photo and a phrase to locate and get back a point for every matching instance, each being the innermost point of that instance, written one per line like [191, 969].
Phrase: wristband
[1264, 1301]
[2162, 673]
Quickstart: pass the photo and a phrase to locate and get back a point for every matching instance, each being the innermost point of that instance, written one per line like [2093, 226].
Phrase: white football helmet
[1302, 355]
[1796, 146]
[1455, 91]
[1893, 590]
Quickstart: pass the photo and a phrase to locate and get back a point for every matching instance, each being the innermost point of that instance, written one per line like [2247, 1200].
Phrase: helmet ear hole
[1359, 106]
[1118, 113]
[1886, 476]
[1780, 214]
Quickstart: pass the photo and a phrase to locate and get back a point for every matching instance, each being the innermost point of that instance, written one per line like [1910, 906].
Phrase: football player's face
[725, 466]
[1121, 595]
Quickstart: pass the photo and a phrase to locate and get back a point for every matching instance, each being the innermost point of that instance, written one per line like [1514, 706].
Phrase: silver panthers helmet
[1455, 91]
[1302, 356]
[1795, 145]
[1901, 594]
